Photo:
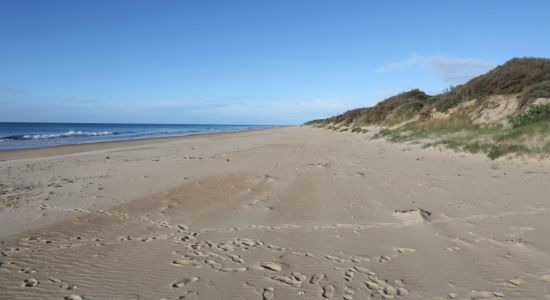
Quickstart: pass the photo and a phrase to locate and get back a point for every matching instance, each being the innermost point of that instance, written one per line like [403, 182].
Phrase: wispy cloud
[458, 70]
[238, 109]
[399, 66]
[11, 91]
[453, 70]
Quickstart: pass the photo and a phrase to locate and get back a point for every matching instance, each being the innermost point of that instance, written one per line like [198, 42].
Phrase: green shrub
[498, 150]
[475, 147]
[358, 129]
[535, 113]
[414, 106]
[512, 77]
[528, 76]
[539, 90]
[447, 102]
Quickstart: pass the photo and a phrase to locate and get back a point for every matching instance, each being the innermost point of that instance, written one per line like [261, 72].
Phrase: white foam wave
[70, 133]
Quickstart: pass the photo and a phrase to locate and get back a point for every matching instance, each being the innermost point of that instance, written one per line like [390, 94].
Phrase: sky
[246, 62]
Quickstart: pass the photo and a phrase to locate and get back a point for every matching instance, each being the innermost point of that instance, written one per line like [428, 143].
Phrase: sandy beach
[286, 213]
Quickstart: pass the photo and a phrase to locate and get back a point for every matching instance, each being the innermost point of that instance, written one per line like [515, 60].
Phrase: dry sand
[290, 213]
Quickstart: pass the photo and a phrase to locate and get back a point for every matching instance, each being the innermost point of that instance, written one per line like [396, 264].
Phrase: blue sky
[246, 62]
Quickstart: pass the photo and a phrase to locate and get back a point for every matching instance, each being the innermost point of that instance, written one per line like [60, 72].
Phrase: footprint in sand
[271, 266]
[383, 288]
[30, 282]
[54, 280]
[359, 259]
[364, 270]
[276, 248]
[287, 280]
[185, 282]
[247, 243]
[413, 215]
[237, 269]
[452, 295]
[328, 291]
[349, 274]
[348, 293]
[183, 262]
[334, 258]
[236, 258]
[383, 259]
[182, 227]
[514, 282]
[63, 285]
[316, 277]
[226, 247]
[373, 285]
[485, 294]
[401, 291]
[299, 276]
[190, 295]
[390, 290]
[405, 250]
[268, 293]
[28, 270]
[214, 264]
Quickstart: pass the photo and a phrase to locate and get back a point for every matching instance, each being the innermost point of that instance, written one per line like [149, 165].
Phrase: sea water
[34, 135]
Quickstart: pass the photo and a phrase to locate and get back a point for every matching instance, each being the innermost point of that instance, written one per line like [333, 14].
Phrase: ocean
[37, 135]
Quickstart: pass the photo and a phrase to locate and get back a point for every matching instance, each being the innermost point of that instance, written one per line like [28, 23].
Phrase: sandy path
[292, 213]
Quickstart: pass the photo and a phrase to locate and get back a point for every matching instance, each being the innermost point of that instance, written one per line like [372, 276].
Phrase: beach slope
[287, 213]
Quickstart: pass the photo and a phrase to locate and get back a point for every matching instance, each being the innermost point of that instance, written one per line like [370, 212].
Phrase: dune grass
[529, 139]
[358, 129]
[441, 120]
[527, 77]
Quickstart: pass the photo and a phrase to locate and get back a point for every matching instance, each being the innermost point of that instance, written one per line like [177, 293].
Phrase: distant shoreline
[26, 135]
[23, 153]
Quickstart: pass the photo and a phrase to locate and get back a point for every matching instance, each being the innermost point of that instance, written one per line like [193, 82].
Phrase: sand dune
[290, 213]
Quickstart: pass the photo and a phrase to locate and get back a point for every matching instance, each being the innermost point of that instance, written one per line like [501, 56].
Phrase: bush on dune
[414, 117]
[535, 113]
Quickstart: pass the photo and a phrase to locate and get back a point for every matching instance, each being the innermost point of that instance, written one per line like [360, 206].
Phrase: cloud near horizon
[452, 70]
[227, 110]
[12, 91]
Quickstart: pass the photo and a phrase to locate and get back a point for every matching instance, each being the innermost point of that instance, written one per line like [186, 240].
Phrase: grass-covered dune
[505, 111]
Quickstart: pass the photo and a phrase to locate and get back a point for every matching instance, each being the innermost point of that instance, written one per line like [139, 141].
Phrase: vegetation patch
[529, 78]
[359, 130]
[495, 142]
[539, 90]
[463, 117]
[535, 113]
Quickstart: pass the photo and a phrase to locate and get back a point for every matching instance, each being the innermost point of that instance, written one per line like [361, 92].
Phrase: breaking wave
[67, 134]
